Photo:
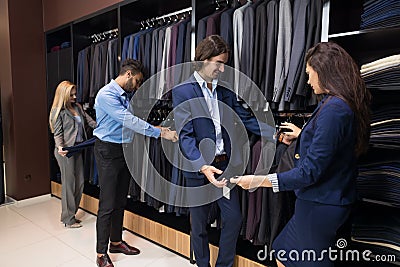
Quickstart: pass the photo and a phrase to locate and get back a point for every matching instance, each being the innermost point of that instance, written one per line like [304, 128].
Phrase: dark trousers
[231, 219]
[114, 178]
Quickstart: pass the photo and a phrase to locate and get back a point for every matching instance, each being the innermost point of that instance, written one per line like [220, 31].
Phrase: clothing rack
[189, 9]
[219, 2]
[152, 21]
[97, 37]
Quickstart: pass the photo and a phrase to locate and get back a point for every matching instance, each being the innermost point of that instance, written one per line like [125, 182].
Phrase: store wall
[23, 98]
[23, 86]
[60, 12]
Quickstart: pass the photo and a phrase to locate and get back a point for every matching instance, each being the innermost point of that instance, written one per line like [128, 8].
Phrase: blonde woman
[67, 122]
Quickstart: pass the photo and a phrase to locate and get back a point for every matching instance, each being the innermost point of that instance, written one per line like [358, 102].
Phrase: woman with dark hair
[325, 169]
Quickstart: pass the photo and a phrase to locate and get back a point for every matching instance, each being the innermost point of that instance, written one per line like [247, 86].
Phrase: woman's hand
[251, 181]
[62, 152]
[293, 133]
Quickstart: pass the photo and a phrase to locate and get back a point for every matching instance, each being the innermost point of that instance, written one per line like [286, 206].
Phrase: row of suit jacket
[268, 41]
[159, 48]
[265, 213]
[97, 64]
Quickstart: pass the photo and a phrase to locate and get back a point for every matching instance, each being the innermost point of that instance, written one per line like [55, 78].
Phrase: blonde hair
[61, 100]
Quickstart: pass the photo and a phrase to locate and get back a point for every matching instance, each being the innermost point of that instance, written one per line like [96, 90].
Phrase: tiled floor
[31, 235]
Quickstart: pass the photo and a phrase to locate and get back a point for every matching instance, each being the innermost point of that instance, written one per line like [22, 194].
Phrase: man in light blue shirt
[116, 125]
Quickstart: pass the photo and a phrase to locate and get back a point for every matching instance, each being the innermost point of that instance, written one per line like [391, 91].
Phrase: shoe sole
[118, 251]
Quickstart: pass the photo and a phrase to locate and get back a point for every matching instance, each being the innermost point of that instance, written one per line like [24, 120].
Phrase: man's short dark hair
[133, 65]
[211, 46]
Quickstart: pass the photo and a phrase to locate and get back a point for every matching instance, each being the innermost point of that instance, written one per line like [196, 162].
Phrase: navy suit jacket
[325, 163]
[194, 124]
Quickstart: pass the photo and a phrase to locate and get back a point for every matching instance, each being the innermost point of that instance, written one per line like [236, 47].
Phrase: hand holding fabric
[251, 181]
[62, 152]
[209, 171]
[294, 130]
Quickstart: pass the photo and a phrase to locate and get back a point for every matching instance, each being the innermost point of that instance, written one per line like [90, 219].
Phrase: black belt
[220, 158]
[113, 144]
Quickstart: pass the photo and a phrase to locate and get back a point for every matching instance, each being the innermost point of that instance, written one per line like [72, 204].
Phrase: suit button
[297, 156]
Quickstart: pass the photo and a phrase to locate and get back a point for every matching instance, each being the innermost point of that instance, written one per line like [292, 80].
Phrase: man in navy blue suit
[206, 115]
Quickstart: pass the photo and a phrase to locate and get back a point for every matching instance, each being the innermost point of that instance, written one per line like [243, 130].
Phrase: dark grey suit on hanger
[300, 21]
[246, 57]
[272, 41]
[201, 29]
[265, 50]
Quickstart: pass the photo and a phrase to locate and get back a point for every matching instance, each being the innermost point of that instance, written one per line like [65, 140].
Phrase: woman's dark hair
[211, 46]
[338, 73]
[133, 65]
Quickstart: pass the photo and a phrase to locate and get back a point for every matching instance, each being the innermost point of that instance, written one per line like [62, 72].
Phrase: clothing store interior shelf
[368, 45]
[346, 20]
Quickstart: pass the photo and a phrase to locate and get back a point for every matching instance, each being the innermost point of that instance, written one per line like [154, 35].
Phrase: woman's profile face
[72, 96]
[313, 80]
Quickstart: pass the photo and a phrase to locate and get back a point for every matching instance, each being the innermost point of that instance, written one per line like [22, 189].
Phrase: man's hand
[209, 171]
[166, 133]
[62, 152]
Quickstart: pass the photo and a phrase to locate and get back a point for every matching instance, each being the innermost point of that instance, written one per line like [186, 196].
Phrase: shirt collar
[119, 89]
[203, 83]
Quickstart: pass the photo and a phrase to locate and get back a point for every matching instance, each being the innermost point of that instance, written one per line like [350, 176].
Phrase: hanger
[218, 5]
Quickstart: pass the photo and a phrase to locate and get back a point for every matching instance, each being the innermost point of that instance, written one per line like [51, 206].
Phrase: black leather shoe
[124, 248]
[104, 261]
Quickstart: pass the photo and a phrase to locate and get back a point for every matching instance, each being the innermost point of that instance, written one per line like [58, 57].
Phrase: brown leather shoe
[124, 248]
[104, 261]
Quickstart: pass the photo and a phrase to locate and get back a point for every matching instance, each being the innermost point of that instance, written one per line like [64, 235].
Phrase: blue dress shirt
[116, 122]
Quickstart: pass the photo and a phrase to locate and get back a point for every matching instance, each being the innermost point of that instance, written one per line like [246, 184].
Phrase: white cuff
[273, 178]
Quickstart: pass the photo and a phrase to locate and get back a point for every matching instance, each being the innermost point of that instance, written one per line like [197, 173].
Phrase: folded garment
[55, 48]
[65, 44]
[79, 147]
[376, 223]
[380, 63]
[380, 14]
